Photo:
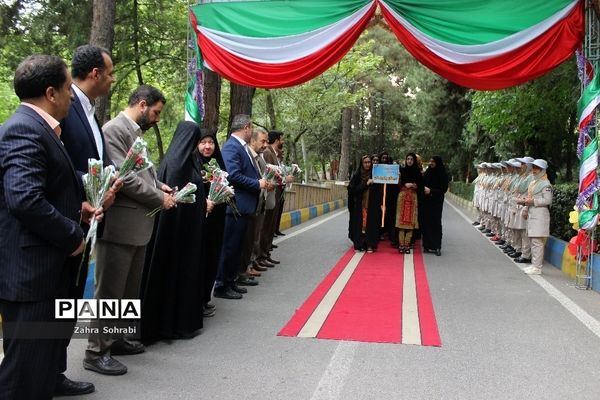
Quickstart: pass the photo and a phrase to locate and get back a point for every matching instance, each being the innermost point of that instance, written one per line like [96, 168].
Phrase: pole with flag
[194, 95]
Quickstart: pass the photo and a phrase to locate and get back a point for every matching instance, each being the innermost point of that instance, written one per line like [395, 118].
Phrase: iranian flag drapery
[589, 184]
[486, 45]
[272, 44]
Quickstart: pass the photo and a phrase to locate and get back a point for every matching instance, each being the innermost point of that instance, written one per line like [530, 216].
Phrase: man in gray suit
[250, 248]
[121, 249]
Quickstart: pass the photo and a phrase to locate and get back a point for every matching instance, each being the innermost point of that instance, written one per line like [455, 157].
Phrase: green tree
[536, 118]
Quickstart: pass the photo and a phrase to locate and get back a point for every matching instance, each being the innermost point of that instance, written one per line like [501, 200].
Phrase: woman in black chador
[365, 215]
[214, 224]
[435, 185]
[171, 295]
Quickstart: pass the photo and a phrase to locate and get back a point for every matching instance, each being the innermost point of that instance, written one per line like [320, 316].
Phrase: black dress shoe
[499, 242]
[487, 231]
[238, 289]
[265, 263]
[188, 335]
[274, 246]
[269, 259]
[516, 254]
[490, 234]
[105, 365]
[278, 233]
[124, 348]
[258, 267]
[246, 282]
[227, 294]
[208, 312]
[522, 260]
[475, 223]
[482, 228]
[67, 387]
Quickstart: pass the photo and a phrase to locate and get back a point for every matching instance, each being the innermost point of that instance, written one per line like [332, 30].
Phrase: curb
[297, 217]
[556, 252]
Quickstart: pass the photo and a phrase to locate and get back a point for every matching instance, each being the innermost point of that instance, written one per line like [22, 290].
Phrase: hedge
[563, 200]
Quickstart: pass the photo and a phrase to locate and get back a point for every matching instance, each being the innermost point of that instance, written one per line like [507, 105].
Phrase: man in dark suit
[121, 249]
[40, 212]
[272, 155]
[92, 72]
[247, 183]
[250, 251]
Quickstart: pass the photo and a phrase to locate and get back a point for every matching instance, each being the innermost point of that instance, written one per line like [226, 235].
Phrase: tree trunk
[212, 99]
[571, 148]
[240, 102]
[140, 75]
[364, 137]
[293, 146]
[103, 35]
[381, 127]
[346, 138]
[271, 110]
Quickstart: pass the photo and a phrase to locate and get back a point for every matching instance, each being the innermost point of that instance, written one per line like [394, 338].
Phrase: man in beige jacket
[121, 249]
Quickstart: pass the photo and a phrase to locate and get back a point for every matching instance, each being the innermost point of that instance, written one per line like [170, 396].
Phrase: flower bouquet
[294, 171]
[212, 168]
[185, 195]
[220, 191]
[136, 159]
[272, 174]
[95, 183]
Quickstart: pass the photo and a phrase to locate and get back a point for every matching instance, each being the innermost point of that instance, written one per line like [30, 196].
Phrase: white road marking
[334, 378]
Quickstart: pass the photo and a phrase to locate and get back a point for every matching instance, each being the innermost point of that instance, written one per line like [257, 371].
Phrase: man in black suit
[247, 183]
[92, 72]
[40, 213]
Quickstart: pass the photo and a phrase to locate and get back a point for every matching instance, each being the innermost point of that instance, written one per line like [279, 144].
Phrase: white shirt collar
[85, 101]
[242, 141]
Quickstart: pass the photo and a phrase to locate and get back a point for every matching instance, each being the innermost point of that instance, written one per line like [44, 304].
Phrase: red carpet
[363, 297]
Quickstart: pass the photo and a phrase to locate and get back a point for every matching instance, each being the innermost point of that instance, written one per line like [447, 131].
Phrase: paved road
[503, 336]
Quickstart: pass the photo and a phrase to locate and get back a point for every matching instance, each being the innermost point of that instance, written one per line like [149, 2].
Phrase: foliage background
[396, 104]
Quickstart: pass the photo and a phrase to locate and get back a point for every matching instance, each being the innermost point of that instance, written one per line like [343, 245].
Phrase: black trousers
[24, 372]
[75, 289]
[235, 230]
